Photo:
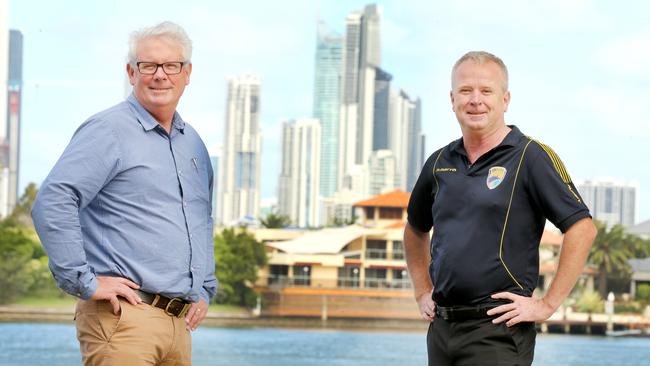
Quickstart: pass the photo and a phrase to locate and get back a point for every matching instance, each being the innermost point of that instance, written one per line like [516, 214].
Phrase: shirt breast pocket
[197, 185]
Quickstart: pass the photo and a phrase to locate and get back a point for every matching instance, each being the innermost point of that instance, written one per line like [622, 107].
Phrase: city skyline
[577, 71]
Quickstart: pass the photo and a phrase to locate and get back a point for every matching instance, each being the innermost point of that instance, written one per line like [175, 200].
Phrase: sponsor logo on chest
[496, 175]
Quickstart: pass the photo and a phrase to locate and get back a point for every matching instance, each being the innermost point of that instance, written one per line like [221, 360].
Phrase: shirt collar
[512, 139]
[147, 121]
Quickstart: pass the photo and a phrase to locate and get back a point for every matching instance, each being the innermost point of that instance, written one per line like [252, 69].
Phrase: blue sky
[579, 70]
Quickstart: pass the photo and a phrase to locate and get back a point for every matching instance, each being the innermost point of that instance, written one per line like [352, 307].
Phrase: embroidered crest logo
[496, 175]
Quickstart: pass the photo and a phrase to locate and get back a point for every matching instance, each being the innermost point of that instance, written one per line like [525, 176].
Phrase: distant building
[640, 269]
[327, 101]
[641, 229]
[328, 257]
[406, 139]
[240, 166]
[610, 202]
[382, 172]
[10, 124]
[299, 185]
[361, 58]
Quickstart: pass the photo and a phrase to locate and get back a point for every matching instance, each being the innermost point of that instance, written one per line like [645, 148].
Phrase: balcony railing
[348, 282]
[340, 282]
[376, 253]
[286, 281]
[387, 284]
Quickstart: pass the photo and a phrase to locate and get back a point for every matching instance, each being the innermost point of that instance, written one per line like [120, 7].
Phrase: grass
[218, 308]
[46, 302]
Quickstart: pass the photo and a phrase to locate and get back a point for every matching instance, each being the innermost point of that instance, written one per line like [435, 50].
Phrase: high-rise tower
[241, 151]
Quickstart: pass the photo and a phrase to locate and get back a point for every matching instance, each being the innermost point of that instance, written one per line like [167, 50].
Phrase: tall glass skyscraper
[327, 100]
[240, 169]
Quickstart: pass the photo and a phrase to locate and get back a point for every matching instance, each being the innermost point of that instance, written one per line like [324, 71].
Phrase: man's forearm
[416, 246]
[573, 256]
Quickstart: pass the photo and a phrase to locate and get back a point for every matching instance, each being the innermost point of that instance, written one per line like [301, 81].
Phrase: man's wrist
[419, 294]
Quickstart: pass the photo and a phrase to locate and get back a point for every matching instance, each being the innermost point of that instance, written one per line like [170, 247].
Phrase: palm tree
[610, 252]
[274, 220]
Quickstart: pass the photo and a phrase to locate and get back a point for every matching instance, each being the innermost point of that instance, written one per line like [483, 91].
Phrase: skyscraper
[380, 128]
[14, 102]
[382, 172]
[610, 202]
[4, 143]
[300, 176]
[416, 144]
[406, 138]
[327, 100]
[241, 151]
[362, 55]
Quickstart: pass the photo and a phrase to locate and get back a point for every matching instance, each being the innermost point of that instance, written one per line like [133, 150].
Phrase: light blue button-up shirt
[126, 199]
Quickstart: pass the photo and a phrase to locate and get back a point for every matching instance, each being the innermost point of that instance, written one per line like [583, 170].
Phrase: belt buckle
[182, 312]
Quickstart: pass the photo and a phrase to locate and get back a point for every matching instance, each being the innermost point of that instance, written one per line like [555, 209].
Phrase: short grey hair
[168, 30]
[482, 57]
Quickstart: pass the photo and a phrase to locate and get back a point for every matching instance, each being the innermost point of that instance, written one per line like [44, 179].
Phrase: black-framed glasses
[170, 68]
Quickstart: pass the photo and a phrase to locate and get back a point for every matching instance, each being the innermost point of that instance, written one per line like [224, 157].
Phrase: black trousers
[479, 342]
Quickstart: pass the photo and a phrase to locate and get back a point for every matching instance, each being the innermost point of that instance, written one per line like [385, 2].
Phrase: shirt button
[184, 204]
[190, 236]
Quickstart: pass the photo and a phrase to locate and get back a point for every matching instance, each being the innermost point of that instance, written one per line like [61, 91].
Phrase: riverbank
[231, 318]
[234, 317]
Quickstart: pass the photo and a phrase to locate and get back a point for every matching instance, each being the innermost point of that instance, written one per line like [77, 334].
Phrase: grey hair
[482, 57]
[167, 29]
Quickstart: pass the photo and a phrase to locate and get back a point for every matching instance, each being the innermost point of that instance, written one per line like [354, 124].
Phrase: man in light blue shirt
[125, 217]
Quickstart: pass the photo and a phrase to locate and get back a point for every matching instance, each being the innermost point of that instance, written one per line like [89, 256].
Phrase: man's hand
[427, 306]
[109, 288]
[522, 309]
[196, 314]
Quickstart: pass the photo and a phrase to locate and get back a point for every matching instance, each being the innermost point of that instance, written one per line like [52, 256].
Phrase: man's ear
[130, 72]
[189, 72]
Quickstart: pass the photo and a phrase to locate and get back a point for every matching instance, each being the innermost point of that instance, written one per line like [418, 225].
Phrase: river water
[30, 344]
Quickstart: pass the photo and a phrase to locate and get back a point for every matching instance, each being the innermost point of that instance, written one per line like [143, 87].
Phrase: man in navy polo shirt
[487, 197]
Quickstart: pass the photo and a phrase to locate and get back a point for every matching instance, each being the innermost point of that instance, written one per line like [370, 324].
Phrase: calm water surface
[24, 344]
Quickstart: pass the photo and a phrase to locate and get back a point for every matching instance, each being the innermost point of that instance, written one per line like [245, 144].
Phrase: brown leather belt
[173, 307]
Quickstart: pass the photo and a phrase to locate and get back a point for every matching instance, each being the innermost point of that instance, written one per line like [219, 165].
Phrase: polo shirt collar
[147, 121]
[512, 139]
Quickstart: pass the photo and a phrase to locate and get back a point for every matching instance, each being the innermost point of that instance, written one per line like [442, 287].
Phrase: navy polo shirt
[488, 217]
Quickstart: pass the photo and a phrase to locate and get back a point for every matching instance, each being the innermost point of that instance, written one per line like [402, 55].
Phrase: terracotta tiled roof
[396, 225]
[396, 198]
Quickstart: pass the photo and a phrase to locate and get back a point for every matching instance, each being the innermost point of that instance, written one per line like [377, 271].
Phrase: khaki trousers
[139, 335]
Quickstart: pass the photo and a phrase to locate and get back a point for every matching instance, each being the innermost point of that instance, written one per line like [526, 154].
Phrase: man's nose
[160, 73]
[475, 97]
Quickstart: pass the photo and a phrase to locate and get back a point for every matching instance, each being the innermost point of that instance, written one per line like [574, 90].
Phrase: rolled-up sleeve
[90, 160]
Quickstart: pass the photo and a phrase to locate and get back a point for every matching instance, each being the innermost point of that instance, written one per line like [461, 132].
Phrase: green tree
[590, 302]
[338, 222]
[16, 253]
[610, 252]
[21, 214]
[238, 257]
[274, 220]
